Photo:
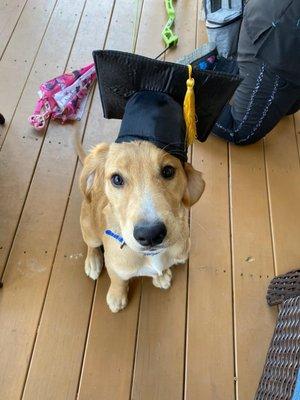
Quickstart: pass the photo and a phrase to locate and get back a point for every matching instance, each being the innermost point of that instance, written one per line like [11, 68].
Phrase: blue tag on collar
[119, 238]
[114, 235]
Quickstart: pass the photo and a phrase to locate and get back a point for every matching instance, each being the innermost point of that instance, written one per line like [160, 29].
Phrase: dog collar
[120, 239]
[115, 236]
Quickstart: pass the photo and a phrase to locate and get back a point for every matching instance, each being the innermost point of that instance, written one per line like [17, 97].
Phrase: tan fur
[78, 146]
[145, 191]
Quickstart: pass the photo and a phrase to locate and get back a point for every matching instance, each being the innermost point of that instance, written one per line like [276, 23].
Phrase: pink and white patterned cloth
[63, 97]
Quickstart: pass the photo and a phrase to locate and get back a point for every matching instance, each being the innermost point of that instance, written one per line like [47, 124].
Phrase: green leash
[169, 37]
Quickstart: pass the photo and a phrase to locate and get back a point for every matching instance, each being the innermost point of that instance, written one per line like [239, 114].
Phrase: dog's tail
[78, 146]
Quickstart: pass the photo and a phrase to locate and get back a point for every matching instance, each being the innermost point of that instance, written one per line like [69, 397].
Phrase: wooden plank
[107, 367]
[18, 58]
[252, 264]
[149, 42]
[283, 172]
[210, 325]
[30, 261]
[160, 344]
[210, 276]
[61, 335]
[109, 358]
[10, 12]
[201, 25]
[23, 144]
[70, 292]
[159, 364]
[68, 300]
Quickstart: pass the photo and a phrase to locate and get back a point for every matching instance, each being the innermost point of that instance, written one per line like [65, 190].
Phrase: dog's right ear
[93, 169]
[195, 185]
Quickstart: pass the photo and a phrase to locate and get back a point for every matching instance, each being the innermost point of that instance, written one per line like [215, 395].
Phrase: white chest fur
[149, 266]
[154, 265]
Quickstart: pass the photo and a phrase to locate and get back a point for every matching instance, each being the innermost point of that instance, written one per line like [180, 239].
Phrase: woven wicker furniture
[279, 378]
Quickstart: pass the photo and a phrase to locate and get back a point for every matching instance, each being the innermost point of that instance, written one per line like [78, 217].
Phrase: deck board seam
[271, 225]
[134, 44]
[186, 322]
[88, 331]
[233, 307]
[136, 342]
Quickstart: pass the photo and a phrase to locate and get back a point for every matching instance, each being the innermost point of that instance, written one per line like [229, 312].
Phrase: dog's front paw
[93, 263]
[163, 281]
[116, 300]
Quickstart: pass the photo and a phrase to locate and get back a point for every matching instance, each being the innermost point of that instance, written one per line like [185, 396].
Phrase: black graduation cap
[148, 95]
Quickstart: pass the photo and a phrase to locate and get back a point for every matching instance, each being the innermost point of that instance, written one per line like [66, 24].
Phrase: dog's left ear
[93, 170]
[195, 185]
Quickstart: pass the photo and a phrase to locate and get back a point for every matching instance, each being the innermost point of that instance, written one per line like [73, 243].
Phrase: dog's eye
[168, 172]
[117, 180]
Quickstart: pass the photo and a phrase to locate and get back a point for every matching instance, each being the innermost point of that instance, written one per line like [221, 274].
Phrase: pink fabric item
[63, 97]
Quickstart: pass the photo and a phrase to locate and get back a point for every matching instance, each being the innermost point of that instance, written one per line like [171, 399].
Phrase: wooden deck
[204, 339]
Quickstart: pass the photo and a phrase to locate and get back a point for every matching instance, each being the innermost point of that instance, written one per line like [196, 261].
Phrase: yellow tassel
[189, 109]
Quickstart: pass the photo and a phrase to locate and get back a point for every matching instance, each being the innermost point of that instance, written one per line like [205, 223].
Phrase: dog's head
[147, 190]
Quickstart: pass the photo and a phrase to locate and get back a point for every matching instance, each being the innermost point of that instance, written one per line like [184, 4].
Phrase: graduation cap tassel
[189, 109]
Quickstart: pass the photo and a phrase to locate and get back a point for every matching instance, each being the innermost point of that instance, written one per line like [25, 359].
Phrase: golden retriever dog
[142, 194]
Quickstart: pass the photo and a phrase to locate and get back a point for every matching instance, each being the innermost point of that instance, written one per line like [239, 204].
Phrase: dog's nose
[150, 234]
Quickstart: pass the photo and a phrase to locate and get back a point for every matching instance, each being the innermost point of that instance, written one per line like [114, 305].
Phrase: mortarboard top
[149, 95]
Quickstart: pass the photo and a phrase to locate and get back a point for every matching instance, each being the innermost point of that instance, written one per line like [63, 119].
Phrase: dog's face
[147, 190]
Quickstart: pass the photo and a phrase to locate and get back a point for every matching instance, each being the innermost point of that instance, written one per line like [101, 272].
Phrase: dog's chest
[150, 266]
[154, 265]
